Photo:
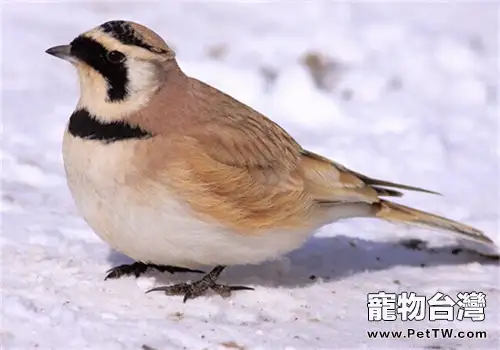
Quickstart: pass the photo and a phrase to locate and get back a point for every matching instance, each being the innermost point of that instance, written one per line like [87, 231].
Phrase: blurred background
[402, 91]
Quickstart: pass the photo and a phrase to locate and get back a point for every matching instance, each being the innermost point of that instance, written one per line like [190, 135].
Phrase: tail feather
[386, 192]
[399, 213]
[376, 182]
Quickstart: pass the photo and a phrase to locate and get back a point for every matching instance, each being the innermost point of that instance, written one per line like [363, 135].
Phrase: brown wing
[249, 174]
[243, 172]
[246, 172]
[329, 181]
[251, 179]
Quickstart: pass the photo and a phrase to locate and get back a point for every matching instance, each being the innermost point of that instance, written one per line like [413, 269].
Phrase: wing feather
[243, 170]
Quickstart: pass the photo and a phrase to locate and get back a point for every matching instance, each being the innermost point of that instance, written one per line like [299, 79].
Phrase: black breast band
[83, 125]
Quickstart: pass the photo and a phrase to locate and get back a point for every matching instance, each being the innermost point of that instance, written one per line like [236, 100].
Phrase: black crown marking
[123, 31]
[83, 125]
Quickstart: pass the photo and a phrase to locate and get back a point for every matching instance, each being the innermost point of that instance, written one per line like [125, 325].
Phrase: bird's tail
[401, 214]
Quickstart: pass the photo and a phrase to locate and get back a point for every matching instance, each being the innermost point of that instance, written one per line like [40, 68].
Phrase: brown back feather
[232, 164]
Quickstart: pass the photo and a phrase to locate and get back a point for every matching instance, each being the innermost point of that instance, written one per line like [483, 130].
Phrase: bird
[177, 175]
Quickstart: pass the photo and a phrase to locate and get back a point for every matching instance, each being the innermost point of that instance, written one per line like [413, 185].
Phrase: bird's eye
[115, 57]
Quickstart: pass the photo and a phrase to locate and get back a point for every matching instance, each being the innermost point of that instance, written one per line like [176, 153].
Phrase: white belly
[156, 226]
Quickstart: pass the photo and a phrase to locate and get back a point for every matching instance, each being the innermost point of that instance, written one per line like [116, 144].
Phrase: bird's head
[120, 66]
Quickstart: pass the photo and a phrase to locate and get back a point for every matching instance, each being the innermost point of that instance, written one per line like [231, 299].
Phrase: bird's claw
[138, 268]
[195, 289]
[198, 288]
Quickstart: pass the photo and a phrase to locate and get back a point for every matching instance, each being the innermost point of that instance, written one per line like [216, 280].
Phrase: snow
[411, 96]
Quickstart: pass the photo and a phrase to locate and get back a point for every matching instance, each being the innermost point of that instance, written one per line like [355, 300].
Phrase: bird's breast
[96, 176]
[143, 219]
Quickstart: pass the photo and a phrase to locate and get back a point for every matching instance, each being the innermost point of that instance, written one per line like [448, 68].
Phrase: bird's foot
[138, 268]
[201, 287]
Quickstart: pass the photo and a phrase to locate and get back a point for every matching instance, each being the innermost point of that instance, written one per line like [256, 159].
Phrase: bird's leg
[138, 268]
[198, 288]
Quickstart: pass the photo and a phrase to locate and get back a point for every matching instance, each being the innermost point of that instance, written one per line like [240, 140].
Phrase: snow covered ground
[404, 92]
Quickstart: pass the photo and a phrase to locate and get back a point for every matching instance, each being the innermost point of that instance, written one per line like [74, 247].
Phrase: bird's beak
[61, 51]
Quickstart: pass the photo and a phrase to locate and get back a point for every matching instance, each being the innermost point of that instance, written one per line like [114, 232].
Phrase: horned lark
[176, 174]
